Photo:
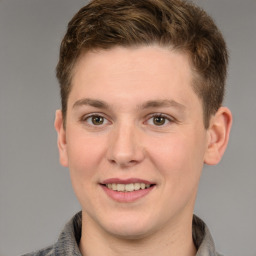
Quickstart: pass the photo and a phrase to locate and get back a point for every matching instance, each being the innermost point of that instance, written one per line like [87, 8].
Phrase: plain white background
[36, 198]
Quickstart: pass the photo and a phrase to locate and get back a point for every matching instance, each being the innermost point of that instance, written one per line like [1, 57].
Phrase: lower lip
[127, 197]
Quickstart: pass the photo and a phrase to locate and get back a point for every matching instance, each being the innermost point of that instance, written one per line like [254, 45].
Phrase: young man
[142, 85]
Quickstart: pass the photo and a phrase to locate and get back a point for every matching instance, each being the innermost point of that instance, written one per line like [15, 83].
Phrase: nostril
[123, 162]
[112, 161]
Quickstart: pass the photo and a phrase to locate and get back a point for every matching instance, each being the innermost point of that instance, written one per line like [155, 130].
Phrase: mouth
[129, 190]
[127, 187]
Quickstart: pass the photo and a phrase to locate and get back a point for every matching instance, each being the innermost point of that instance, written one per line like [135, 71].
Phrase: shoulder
[68, 242]
[203, 239]
[48, 251]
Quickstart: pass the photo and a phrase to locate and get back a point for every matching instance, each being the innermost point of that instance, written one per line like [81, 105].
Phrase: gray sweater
[68, 242]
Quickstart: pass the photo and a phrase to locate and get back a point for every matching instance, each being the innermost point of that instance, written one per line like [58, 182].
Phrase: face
[134, 141]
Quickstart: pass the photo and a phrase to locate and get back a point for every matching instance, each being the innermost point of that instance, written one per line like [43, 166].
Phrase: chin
[130, 233]
[130, 228]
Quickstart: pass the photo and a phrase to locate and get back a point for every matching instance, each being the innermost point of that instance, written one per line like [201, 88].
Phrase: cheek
[85, 153]
[179, 158]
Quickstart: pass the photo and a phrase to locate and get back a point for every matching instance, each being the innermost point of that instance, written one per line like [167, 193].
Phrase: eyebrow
[148, 104]
[162, 103]
[91, 102]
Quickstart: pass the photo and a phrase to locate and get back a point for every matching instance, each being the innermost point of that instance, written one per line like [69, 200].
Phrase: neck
[176, 241]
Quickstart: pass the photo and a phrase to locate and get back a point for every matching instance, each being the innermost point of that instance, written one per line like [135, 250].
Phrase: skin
[124, 87]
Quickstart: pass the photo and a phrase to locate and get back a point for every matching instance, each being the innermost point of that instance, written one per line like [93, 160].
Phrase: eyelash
[167, 118]
[85, 119]
[161, 115]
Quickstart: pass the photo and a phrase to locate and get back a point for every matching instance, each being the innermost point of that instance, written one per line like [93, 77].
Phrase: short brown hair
[103, 24]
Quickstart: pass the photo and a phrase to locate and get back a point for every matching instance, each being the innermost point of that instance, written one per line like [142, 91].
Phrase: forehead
[143, 73]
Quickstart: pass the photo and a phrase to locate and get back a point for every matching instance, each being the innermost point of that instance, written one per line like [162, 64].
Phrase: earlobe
[61, 140]
[218, 135]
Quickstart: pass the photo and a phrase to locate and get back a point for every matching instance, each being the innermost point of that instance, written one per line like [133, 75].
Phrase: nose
[125, 146]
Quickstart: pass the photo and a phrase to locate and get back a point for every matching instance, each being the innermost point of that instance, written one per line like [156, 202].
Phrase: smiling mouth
[127, 187]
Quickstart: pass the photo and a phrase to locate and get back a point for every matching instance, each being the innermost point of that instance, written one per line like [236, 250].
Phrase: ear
[218, 135]
[61, 141]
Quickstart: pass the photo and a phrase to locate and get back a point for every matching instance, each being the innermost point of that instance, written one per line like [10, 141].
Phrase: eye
[159, 120]
[95, 120]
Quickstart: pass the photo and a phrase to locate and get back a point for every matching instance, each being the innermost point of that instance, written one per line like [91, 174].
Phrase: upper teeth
[127, 187]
